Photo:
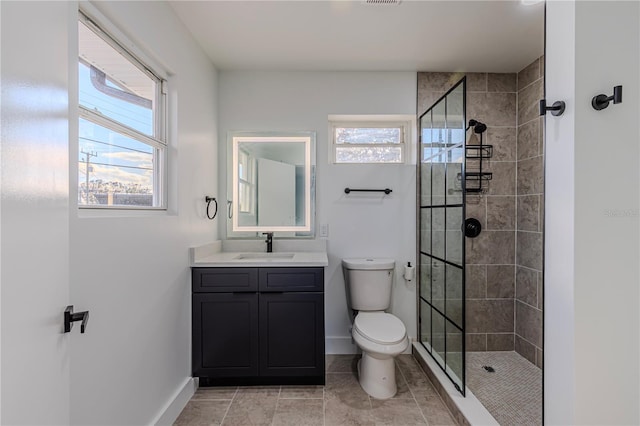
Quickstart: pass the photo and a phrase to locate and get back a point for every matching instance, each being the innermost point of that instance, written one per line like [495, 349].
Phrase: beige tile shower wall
[491, 257]
[530, 210]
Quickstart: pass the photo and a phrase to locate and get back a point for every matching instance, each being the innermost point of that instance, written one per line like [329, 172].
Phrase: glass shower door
[441, 238]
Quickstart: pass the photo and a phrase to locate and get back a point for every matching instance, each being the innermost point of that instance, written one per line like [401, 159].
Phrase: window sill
[104, 212]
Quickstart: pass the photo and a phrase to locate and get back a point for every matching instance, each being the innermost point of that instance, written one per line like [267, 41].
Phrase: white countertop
[286, 254]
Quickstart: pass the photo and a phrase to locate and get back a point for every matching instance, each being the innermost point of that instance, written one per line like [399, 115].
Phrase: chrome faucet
[269, 241]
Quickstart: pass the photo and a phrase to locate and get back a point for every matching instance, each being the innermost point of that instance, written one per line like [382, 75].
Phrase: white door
[34, 214]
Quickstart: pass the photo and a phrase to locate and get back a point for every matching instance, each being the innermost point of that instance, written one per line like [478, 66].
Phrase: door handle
[70, 317]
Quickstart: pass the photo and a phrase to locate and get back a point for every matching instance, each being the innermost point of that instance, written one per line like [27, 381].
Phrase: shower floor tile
[513, 393]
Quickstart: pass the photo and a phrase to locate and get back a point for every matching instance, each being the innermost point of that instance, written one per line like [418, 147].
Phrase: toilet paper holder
[409, 272]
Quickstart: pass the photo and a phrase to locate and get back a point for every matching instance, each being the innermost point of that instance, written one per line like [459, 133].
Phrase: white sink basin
[265, 256]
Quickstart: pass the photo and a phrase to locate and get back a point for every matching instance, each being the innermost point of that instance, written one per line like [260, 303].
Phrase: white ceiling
[419, 35]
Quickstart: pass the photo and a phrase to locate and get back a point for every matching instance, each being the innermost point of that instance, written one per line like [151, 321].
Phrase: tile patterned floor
[513, 393]
[340, 402]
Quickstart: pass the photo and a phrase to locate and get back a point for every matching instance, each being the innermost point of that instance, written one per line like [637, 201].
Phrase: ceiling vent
[381, 2]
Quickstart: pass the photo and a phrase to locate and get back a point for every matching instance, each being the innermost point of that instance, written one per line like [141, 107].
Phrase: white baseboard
[176, 404]
[338, 345]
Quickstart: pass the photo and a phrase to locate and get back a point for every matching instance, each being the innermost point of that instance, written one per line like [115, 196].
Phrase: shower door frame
[420, 253]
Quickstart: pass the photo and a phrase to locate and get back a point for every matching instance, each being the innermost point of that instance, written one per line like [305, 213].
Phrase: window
[122, 144]
[246, 182]
[380, 141]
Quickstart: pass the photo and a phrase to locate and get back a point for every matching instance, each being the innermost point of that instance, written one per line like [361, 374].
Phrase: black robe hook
[602, 101]
[556, 109]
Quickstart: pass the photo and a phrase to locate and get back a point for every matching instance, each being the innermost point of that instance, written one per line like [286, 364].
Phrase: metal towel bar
[386, 190]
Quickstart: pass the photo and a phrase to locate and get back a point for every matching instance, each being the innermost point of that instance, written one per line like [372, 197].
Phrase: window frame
[249, 183]
[158, 141]
[404, 124]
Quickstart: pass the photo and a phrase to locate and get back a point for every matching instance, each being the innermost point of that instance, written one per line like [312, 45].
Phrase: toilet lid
[380, 327]
[369, 263]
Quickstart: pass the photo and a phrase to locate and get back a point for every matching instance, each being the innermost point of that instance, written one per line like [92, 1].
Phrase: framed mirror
[271, 184]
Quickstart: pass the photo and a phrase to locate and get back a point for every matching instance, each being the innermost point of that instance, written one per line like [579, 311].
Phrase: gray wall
[530, 210]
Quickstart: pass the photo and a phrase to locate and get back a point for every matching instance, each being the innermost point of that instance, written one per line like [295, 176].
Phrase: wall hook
[602, 101]
[70, 317]
[556, 109]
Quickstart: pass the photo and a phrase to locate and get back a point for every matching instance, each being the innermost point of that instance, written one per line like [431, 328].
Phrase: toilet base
[377, 376]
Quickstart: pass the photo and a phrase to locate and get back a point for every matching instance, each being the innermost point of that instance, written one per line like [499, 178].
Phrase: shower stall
[480, 197]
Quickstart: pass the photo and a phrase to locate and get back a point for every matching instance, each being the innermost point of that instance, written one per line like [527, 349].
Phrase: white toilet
[380, 335]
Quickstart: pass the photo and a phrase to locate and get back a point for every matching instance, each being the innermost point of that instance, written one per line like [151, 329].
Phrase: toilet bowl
[381, 336]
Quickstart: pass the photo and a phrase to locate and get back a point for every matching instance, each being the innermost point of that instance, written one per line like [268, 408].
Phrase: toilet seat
[380, 327]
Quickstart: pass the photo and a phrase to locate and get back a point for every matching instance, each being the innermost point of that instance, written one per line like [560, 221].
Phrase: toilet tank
[368, 283]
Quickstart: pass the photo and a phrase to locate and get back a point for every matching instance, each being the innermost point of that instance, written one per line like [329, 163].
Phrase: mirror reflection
[271, 183]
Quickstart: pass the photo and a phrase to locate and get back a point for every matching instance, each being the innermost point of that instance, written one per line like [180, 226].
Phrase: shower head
[478, 127]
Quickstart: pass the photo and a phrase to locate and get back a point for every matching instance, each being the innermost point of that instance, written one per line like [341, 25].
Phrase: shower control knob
[472, 227]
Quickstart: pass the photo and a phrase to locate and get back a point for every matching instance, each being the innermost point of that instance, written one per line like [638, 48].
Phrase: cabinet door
[292, 334]
[225, 334]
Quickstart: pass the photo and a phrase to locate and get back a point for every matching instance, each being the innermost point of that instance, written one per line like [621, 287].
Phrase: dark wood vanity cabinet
[258, 325]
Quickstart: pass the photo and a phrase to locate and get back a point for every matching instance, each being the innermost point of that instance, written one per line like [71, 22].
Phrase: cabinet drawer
[218, 280]
[291, 279]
